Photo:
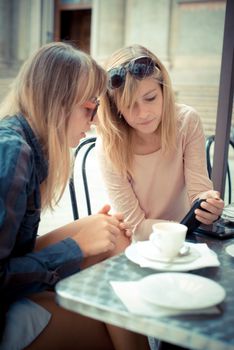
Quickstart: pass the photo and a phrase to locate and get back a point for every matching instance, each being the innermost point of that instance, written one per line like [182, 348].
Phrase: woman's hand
[102, 233]
[97, 234]
[123, 225]
[214, 206]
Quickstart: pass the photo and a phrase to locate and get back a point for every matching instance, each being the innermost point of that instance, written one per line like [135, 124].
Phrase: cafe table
[89, 293]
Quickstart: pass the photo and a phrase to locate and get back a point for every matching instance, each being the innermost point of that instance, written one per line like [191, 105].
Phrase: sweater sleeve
[38, 271]
[195, 168]
[122, 197]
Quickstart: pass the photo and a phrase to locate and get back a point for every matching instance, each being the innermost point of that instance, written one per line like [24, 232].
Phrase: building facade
[186, 35]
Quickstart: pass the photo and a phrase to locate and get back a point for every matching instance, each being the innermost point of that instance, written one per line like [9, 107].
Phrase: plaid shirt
[22, 168]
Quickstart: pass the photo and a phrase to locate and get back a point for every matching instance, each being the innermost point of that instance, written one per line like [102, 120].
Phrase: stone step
[204, 99]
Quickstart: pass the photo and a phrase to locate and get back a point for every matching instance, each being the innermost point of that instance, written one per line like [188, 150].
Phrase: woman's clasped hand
[101, 233]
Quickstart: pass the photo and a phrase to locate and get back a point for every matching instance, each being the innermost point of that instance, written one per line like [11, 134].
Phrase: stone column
[5, 37]
[107, 27]
[31, 26]
[47, 21]
[28, 35]
[148, 23]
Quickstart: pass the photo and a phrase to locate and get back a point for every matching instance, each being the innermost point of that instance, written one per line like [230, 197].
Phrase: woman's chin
[76, 142]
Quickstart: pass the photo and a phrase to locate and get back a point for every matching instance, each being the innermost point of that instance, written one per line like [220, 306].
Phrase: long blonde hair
[115, 132]
[48, 86]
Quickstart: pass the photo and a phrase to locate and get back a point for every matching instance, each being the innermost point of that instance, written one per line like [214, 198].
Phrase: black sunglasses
[92, 106]
[140, 68]
[94, 112]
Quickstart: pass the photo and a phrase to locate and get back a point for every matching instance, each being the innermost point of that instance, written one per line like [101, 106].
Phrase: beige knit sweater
[162, 187]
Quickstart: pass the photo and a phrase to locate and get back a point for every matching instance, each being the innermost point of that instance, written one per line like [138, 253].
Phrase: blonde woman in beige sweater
[151, 150]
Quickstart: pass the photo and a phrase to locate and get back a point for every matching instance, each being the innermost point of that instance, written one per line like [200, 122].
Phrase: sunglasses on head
[93, 107]
[139, 68]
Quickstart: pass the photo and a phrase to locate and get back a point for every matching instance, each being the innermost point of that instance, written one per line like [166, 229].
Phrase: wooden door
[73, 23]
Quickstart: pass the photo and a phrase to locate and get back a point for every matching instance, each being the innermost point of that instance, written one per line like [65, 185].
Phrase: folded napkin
[206, 258]
[129, 294]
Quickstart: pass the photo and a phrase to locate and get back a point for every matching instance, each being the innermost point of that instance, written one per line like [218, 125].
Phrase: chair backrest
[86, 145]
[209, 142]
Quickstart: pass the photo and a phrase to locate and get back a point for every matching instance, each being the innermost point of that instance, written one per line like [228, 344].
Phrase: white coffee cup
[168, 238]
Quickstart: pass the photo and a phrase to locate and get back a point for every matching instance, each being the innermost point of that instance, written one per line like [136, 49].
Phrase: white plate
[182, 291]
[149, 251]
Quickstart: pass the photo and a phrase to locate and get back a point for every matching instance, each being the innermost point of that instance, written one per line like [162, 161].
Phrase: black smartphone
[221, 229]
[189, 220]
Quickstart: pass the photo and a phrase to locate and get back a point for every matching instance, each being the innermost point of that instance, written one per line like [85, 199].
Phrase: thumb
[105, 209]
[216, 194]
[119, 216]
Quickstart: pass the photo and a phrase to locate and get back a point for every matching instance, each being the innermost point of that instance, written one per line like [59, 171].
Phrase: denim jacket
[22, 168]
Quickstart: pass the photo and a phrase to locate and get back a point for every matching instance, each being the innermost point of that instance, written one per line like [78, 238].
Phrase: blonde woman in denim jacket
[51, 105]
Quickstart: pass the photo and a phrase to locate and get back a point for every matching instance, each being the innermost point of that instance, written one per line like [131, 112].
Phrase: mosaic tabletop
[90, 293]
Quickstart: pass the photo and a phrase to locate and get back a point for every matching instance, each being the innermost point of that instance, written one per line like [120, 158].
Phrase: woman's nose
[140, 111]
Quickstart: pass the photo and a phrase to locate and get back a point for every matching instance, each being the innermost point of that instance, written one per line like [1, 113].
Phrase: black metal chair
[87, 145]
[209, 143]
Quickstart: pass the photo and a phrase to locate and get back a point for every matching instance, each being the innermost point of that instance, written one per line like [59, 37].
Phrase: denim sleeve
[38, 271]
[35, 271]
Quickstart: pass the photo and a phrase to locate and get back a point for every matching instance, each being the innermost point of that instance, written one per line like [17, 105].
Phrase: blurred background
[187, 35]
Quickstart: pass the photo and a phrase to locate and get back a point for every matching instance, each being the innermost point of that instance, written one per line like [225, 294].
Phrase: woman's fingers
[218, 204]
[128, 233]
[123, 225]
[126, 227]
[205, 217]
[213, 208]
[210, 194]
[119, 216]
[105, 209]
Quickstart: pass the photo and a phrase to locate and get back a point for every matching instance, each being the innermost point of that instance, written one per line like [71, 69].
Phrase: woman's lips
[146, 122]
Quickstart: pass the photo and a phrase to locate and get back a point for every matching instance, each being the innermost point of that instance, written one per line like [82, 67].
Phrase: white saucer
[149, 251]
[182, 291]
[228, 212]
[230, 249]
[227, 217]
[207, 258]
